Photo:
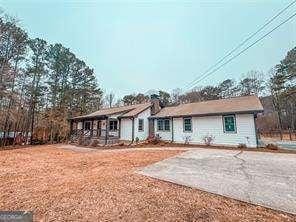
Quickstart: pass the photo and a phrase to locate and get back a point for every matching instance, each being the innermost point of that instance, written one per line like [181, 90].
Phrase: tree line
[277, 93]
[41, 86]
[252, 84]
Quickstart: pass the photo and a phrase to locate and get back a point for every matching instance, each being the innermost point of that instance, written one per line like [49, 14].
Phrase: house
[126, 123]
[228, 122]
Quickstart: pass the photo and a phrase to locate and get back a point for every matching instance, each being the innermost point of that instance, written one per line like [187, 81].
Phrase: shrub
[38, 142]
[187, 139]
[80, 140]
[137, 139]
[208, 139]
[86, 142]
[154, 139]
[272, 146]
[242, 146]
[94, 143]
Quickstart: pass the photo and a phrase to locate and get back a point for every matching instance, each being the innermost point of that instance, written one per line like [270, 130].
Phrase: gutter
[100, 117]
[172, 129]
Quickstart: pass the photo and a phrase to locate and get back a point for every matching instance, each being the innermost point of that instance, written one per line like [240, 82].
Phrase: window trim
[140, 130]
[109, 127]
[163, 125]
[235, 126]
[184, 130]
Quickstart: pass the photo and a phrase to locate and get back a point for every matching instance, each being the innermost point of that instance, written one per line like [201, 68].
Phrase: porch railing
[100, 133]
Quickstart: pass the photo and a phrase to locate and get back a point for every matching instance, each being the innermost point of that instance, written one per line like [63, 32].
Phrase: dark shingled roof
[125, 111]
[244, 104]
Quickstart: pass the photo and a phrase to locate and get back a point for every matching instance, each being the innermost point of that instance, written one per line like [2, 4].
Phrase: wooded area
[43, 84]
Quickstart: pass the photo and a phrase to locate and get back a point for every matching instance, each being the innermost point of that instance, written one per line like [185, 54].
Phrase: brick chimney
[155, 104]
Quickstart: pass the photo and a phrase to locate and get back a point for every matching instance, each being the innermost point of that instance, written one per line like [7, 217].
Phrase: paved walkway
[267, 179]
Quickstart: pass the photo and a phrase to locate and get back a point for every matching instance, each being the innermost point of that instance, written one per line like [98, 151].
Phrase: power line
[242, 43]
[241, 52]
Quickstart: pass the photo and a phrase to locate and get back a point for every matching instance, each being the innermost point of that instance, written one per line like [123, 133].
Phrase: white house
[227, 122]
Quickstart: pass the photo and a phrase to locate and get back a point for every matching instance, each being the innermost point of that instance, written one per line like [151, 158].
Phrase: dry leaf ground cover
[64, 185]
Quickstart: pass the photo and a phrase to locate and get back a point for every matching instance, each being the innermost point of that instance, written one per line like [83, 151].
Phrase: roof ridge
[133, 105]
[222, 99]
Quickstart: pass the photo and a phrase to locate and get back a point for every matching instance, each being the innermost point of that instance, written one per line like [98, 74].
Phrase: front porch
[106, 130]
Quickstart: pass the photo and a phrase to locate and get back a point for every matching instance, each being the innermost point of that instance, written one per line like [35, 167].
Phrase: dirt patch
[64, 185]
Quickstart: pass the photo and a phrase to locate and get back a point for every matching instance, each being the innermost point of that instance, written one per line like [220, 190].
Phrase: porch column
[92, 128]
[107, 131]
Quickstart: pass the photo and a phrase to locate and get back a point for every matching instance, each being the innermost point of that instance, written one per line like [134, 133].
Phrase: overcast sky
[135, 46]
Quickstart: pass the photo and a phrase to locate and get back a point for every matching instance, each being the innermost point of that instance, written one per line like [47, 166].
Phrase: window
[87, 125]
[187, 125]
[141, 125]
[167, 125]
[229, 124]
[163, 125]
[113, 125]
[160, 125]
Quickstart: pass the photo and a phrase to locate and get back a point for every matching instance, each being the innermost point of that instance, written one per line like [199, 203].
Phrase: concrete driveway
[290, 145]
[267, 179]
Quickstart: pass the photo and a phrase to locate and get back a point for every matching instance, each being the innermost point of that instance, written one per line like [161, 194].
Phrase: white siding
[142, 135]
[126, 129]
[213, 125]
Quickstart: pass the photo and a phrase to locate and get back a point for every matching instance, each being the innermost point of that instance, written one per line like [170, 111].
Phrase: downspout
[172, 129]
[119, 128]
[256, 131]
[133, 129]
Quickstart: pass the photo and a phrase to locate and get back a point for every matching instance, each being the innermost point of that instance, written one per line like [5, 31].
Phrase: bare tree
[109, 99]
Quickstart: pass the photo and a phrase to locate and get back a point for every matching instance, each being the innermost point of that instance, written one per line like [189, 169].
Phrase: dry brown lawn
[64, 185]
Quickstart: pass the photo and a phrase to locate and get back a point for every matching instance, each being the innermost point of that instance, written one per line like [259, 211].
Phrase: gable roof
[124, 111]
[244, 104]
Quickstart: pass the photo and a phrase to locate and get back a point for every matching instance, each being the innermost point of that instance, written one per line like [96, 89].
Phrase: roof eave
[89, 117]
[207, 114]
